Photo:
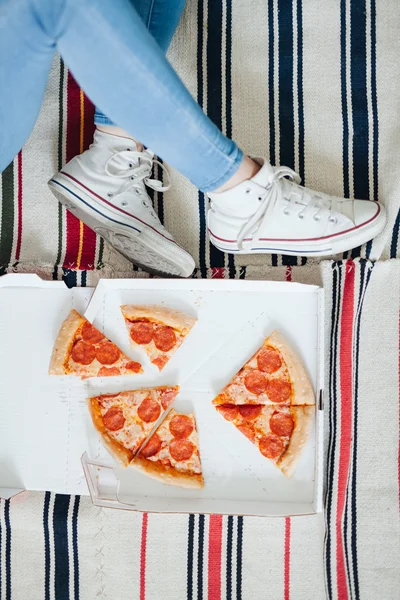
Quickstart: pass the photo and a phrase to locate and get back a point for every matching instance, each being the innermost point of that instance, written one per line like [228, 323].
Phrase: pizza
[125, 420]
[271, 401]
[158, 329]
[81, 349]
[171, 455]
[273, 375]
[279, 432]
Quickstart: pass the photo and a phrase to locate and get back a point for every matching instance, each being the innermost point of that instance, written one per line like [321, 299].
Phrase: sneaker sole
[327, 247]
[133, 240]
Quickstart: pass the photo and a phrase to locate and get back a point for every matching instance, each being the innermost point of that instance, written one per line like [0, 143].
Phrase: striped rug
[61, 547]
[310, 85]
[314, 86]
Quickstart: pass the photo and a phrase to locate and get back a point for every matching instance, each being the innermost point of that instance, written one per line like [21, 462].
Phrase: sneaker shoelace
[316, 206]
[138, 173]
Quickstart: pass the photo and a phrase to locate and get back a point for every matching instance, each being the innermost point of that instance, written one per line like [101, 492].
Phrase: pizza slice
[273, 375]
[81, 349]
[125, 420]
[280, 433]
[172, 455]
[158, 329]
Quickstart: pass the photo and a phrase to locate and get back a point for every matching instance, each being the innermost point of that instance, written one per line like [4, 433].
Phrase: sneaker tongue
[114, 143]
[264, 175]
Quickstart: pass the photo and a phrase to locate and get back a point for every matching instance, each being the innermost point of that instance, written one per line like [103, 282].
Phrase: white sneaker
[105, 187]
[272, 213]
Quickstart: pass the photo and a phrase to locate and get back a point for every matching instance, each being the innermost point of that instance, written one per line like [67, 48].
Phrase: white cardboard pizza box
[45, 428]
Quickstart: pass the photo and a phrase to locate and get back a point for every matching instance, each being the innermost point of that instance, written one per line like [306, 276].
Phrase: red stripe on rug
[88, 255]
[19, 213]
[80, 240]
[72, 149]
[286, 593]
[346, 407]
[214, 557]
[143, 547]
[288, 274]
[218, 272]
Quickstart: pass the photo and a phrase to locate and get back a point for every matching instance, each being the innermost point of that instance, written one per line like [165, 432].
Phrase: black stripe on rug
[46, 533]
[61, 555]
[395, 237]
[239, 558]
[75, 515]
[7, 522]
[344, 91]
[214, 88]
[359, 104]
[229, 547]
[200, 557]
[190, 553]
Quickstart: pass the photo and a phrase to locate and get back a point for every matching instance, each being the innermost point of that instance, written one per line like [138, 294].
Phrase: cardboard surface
[49, 414]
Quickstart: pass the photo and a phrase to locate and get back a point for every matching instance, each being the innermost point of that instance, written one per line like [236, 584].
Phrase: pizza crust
[64, 342]
[304, 418]
[176, 319]
[121, 454]
[302, 387]
[168, 475]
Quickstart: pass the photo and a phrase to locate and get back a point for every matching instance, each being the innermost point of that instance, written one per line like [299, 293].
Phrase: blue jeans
[123, 70]
[161, 18]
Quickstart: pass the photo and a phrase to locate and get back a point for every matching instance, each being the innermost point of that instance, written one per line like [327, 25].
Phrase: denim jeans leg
[161, 18]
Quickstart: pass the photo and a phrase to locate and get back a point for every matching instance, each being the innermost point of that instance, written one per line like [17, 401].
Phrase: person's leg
[143, 94]
[161, 17]
[25, 57]
[121, 67]
[137, 44]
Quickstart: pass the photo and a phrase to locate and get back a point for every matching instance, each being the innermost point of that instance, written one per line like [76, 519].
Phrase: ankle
[247, 170]
[117, 131]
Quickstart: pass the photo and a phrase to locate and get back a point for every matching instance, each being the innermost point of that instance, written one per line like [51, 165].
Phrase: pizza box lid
[61, 452]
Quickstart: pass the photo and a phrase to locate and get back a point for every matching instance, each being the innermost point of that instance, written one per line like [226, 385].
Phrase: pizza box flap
[38, 420]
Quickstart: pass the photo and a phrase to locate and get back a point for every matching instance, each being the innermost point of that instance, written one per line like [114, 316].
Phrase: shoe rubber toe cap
[366, 212]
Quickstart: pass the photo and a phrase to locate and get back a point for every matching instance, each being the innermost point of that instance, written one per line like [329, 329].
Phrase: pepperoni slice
[149, 410]
[108, 372]
[164, 338]
[181, 449]
[166, 397]
[228, 412]
[91, 334]
[250, 411]
[255, 382]
[114, 419]
[133, 366]
[160, 361]
[107, 353]
[247, 431]
[269, 360]
[152, 447]
[83, 353]
[271, 446]
[279, 390]
[142, 332]
[281, 424]
[181, 426]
